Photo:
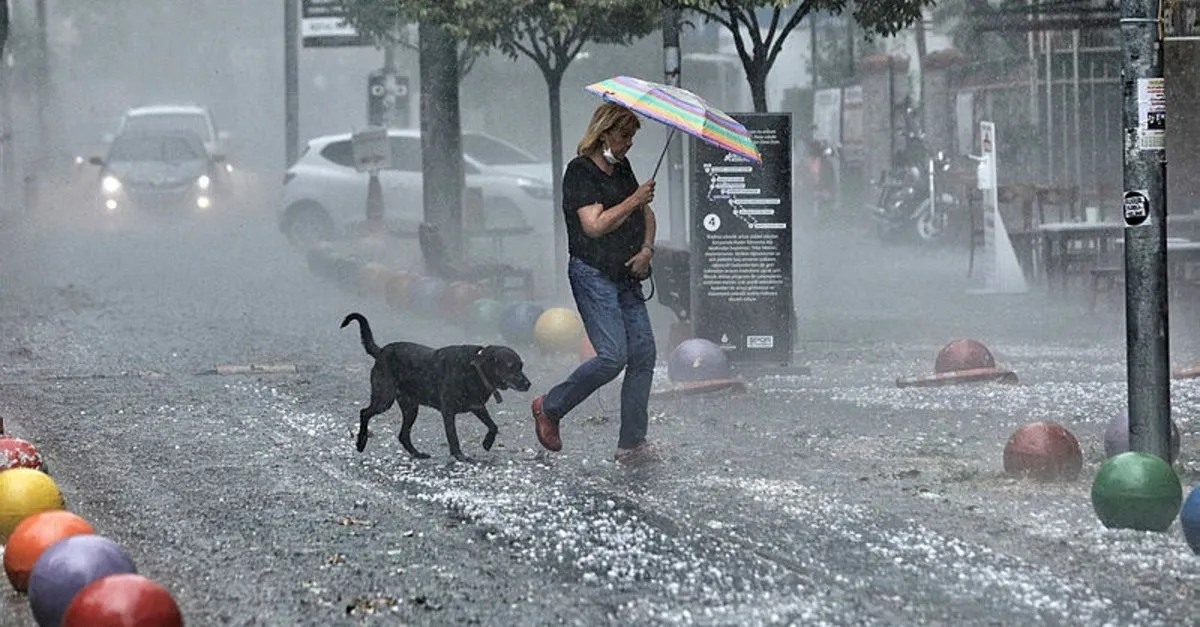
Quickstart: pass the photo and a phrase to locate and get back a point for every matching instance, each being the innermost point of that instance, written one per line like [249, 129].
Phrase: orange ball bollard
[33, 536]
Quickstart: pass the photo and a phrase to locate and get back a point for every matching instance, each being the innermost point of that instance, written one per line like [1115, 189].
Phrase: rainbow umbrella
[680, 110]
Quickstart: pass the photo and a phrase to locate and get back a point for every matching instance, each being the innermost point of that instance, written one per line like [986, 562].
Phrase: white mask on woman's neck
[610, 157]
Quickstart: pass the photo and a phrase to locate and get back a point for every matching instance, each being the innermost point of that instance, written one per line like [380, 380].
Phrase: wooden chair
[497, 277]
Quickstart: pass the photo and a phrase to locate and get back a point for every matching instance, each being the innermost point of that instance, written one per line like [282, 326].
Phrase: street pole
[291, 79]
[389, 81]
[677, 208]
[1145, 213]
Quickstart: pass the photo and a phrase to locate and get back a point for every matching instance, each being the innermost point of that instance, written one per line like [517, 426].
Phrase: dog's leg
[377, 406]
[382, 397]
[448, 423]
[486, 418]
[409, 410]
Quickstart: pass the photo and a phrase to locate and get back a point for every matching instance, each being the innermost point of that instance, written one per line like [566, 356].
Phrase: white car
[194, 118]
[323, 193]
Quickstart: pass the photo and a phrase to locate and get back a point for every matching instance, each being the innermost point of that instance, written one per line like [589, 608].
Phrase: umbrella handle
[670, 136]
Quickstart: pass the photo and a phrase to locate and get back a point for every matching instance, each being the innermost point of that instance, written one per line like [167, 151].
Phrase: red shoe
[545, 427]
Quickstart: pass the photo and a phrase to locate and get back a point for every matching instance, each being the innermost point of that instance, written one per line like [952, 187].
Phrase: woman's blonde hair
[608, 116]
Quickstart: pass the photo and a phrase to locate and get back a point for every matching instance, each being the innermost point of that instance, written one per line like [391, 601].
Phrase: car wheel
[306, 224]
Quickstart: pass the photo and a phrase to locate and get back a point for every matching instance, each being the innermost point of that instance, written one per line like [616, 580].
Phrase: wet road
[829, 499]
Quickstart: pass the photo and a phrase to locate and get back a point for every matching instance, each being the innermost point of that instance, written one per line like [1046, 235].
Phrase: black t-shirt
[584, 183]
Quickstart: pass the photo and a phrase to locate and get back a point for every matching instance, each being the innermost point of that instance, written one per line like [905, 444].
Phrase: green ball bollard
[1137, 491]
[483, 316]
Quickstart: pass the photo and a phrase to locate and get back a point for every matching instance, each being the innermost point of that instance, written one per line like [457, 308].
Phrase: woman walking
[610, 240]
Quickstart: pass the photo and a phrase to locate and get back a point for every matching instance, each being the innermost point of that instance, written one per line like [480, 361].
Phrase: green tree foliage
[759, 41]
[552, 34]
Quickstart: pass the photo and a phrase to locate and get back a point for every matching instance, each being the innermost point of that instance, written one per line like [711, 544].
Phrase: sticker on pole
[1136, 208]
[1152, 114]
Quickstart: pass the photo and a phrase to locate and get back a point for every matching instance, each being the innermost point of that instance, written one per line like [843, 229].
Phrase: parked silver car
[323, 193]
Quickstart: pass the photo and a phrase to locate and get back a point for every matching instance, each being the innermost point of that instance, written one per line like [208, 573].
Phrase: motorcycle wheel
[931, 229]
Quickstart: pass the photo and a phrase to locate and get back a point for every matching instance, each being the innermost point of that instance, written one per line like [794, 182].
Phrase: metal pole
[389, 82]
[291, 80]
[677, 208]
[1145, 211]
[1048, 53]
[812, 49]
[1078, 142]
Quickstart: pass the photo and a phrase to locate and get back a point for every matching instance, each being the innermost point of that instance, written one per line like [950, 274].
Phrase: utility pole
[677, 209]
[390, 83]
[291, 79]
[1145, 213]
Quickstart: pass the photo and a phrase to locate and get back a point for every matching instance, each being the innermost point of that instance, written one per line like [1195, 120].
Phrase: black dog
[452, 380]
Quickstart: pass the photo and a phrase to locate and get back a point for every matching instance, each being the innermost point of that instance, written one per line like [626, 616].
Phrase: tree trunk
[442, 179]
[554, 88]
[756, 76]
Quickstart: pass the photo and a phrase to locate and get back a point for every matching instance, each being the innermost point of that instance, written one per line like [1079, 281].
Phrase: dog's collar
[483, 377]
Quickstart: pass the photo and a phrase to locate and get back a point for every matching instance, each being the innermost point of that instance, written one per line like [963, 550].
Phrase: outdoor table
[1057, 238]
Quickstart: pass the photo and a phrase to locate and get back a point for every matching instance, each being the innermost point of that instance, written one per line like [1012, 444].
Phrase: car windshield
[164, 149]
[194, 122]
[490, 151]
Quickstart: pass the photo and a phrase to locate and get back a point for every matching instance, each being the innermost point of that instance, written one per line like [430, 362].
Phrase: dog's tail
[364, 330]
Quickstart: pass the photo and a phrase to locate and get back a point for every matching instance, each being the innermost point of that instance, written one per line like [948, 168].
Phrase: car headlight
[535, 188]
[110, 184]
[204, 181]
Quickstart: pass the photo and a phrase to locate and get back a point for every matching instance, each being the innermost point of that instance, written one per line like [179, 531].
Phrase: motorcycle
[822, 178]
[913, 200]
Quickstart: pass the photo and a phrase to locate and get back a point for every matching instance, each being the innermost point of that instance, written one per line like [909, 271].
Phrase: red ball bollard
[963, 355]
[124, 600]
[1045, 451]
[18, 453]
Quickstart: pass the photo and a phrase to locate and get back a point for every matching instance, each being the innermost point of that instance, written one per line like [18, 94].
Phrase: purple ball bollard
[698, 359]
[68, 567]
[1116, 437]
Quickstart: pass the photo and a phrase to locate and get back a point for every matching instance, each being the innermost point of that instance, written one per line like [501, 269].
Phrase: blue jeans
[618, 326]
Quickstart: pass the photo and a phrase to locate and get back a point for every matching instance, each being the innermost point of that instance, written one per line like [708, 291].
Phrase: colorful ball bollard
[458, 298]
[518, 320]
[33, 536]
[698, 359]
[1137, 491]
[1116, 437]
[1045, 451]
[67, 568]
[483, 316]
[125, 600]
[427, 295]
[320, 261]
[345, 270]
[963, 355]
[18, 453]
[558, 330]
[368, 279]
[23, 493]
[398, 290]
[1189, 519]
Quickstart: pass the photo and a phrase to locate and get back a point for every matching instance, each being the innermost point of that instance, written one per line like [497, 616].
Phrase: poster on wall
[741, 245]
[827, 115]
[853, 138]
